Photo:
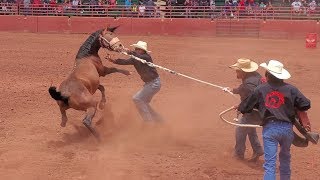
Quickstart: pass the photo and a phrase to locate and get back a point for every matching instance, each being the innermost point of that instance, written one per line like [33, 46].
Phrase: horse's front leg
[103, 98]
[64, 117]
[107, 70]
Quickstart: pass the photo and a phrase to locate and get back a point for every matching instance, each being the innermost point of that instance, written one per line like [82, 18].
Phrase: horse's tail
[56, 95]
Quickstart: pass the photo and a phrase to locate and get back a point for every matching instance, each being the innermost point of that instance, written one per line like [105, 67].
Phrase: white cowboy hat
[141, 45]
[245, 65]
[276, 68]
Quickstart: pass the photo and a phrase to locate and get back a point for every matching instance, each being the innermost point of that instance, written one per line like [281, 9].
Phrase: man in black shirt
[278, 103]
[149, 76]
[246, 71]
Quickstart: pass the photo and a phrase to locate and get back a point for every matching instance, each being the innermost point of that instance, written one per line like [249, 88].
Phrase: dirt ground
[193, 143]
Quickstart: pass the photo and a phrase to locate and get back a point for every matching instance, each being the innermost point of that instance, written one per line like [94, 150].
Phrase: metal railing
[213, 12]
[8, 9]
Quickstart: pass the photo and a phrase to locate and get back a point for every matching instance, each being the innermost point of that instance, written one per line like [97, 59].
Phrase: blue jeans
[144, 97]
[241, 137]
[274, 133]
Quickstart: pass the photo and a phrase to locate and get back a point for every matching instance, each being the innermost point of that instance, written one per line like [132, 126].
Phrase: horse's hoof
[63, 124]
[97, 136]
[102, 105]
[93, 131]
[87, 122]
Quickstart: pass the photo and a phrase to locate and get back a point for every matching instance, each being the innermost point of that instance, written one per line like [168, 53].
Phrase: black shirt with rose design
[275, 102]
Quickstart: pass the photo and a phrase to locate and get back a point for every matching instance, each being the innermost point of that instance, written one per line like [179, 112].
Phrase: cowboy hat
[141, 45]
[245, 65]
[276, 69]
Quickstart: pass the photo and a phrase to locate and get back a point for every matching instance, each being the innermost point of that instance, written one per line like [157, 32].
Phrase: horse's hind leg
[64, 118]
[103, 98]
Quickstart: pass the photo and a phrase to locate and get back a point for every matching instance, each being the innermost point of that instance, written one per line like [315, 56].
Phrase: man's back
[281, 100]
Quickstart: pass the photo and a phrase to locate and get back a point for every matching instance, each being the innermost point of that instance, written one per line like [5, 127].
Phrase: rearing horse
[77, 90]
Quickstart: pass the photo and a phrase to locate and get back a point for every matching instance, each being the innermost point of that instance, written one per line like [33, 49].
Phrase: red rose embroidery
[274, 100]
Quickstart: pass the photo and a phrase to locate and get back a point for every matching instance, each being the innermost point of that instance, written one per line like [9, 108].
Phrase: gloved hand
[304, 120]
[109, 58]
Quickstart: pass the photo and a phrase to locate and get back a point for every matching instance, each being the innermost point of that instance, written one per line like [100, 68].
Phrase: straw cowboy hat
[141, 45]
[276, 68]
[245, 65]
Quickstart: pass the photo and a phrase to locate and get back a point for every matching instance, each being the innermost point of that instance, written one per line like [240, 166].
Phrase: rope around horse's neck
[174, 72]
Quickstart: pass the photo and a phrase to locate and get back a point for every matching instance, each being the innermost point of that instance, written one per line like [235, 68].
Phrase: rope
[170, 71]
[236, 124]
[176, 73]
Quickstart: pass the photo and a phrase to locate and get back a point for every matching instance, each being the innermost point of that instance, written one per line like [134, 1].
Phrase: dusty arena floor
[193, 143]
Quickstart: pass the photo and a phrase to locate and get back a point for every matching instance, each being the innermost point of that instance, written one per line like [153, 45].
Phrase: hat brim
[253, 67]
[284, 75]
[140, 47]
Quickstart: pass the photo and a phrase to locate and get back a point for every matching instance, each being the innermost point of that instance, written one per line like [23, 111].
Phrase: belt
[272, 119]
[153, 80]
[276, 121]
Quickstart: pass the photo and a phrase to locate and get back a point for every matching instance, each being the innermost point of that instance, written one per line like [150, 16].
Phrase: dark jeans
[241, 137]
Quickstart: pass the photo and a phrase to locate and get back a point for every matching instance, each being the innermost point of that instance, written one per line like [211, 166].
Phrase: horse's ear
[104, 31]
[112, 29]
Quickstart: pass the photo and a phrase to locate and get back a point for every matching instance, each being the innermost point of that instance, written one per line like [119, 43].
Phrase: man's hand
[108, 57]
[227, 89]
[126, 50]
[304, 120]
[125, 72]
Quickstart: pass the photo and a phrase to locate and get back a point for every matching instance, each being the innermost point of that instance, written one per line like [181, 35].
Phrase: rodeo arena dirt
[192, 142]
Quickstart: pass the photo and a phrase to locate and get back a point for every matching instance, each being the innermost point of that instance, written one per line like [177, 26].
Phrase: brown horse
[77, 90]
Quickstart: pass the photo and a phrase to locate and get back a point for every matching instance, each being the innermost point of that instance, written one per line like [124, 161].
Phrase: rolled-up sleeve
[236, 90]
[145, 57]
[124, 61]
[249, 103]
[301, 102]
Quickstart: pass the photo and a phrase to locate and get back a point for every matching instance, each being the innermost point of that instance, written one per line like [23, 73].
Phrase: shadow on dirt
[81, 134]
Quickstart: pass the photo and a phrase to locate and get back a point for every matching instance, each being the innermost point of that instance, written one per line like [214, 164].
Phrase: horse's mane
[90, 47]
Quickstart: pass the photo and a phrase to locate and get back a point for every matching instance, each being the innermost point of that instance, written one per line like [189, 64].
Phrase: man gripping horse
[149, 76]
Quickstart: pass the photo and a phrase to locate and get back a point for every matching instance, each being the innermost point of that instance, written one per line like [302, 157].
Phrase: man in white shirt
[296, 6]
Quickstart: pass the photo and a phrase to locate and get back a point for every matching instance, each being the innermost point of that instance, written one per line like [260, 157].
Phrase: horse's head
[109, 41]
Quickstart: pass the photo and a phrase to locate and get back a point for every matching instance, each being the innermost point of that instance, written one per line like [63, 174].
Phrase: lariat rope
[176, 73]
[236, 124]
[163, 68]
[198, 80]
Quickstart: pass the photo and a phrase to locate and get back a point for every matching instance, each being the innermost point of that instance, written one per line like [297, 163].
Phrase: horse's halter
[111, 43]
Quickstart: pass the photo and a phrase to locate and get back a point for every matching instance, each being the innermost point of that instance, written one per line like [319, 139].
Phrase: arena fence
[209, 12]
